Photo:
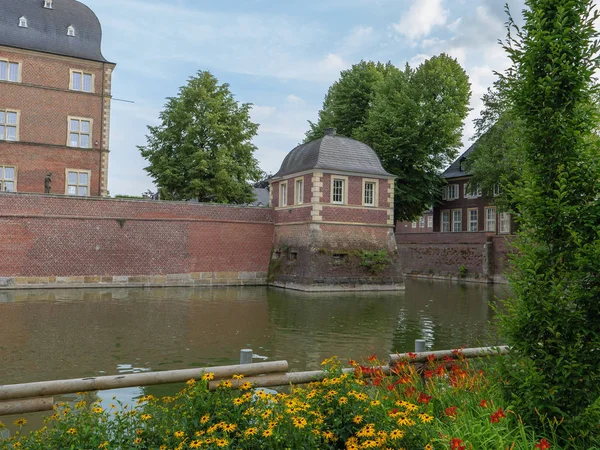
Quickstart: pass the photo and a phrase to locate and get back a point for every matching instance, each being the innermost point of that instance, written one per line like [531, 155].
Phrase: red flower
[543, 445]
[428, 374]
[412, 355]
[424, 398]
[455, 444]
[409, 391]
[447, 359]
[495, 417]
[451, 411]
[431, 358]
[352, 363]
[373, 357]
[483, 403]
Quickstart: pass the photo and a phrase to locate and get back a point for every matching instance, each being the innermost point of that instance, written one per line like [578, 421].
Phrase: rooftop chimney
[330, 132]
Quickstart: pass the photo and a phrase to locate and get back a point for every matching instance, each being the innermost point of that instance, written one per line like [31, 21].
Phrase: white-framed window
[497, 190]
[48, 4]
[338, 190]
[446, 221]
[9, 125]
[422, 222]
[80, 132]
[71, 30]
[473, 214]
[456, 220]
[78, 182]
[81, 81]
[504, 223]
[414, 224]
[370, 192]
[473, 192]
[451, 192]
[8, 178]
[299, 191]
[283, 193]
[429, 221]
[23, 22]
[490, 220]
[9, 71]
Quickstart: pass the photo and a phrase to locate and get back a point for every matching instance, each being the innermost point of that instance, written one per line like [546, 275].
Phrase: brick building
[332, 201]
[55, 94]
[464, 208]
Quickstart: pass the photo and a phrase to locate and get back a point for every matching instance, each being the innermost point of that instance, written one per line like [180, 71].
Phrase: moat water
[57, 334]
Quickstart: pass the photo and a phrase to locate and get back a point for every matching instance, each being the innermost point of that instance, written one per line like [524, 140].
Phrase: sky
[279, 55]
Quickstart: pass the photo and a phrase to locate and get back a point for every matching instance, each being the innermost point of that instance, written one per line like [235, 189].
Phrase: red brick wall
[295, 214]
[66, 236]
[444, 253]
[354, 215]
[45, 102]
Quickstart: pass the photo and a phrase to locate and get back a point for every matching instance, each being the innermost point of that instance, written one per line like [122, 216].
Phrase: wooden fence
[39, 396]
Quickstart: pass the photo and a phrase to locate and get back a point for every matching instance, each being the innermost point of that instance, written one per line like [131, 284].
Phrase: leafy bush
[462, 271]
[375, 262]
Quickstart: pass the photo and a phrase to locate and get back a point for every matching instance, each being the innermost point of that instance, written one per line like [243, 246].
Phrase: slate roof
[262, 197]
[454, 170]
[333, 152]
[47, 28]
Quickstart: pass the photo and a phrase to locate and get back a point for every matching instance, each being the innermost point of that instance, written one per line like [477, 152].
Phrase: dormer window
[48, 4]
[23, 22]
[70, 31]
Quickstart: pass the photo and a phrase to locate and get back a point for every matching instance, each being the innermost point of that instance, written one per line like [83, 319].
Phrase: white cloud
[295, 100]
[421, 18]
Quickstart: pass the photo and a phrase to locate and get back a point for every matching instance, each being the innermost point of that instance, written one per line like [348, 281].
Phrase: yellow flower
[208, 376]
[103, 445]
[139, 432]
[20, 422]
[205, 418]
[357, 419]
[425, 418]
[343, 400]
[72, 431]
[245, 386]
[299, 422]
[179, 434]
[225, 384]
[190, 382]
[429, 447]
[397, 434]
[228, 428]
[237, 377]
[80, 404]
[146, 416]
[137, 441]
[250, 431]
[375, 403]
[268, 432]
[238, 401]
[97, 410]
[222, 442]
[195, 444]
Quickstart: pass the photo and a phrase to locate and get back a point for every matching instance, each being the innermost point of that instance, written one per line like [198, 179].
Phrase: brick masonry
[65, 241]
[441, 255]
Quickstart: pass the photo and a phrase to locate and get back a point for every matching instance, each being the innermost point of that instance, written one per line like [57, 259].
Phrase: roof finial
[330, 132]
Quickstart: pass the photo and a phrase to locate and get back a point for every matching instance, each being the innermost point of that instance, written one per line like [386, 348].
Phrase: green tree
[348, 100]
[415, 125]
[203, 147]
[553, 319]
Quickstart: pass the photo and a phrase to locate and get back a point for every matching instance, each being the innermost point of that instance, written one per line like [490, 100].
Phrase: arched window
[23, 22]
[70, 31]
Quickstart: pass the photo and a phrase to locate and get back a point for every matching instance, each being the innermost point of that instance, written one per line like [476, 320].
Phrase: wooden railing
[39, 396]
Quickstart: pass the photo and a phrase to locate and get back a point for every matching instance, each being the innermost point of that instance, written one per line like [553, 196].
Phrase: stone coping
[185, 279]
[339, 287]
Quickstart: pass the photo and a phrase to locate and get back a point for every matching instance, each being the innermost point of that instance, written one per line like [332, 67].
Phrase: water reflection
[53, 334]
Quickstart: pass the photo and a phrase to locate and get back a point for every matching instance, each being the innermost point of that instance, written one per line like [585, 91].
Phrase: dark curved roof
[47, 28]
[333, 152]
